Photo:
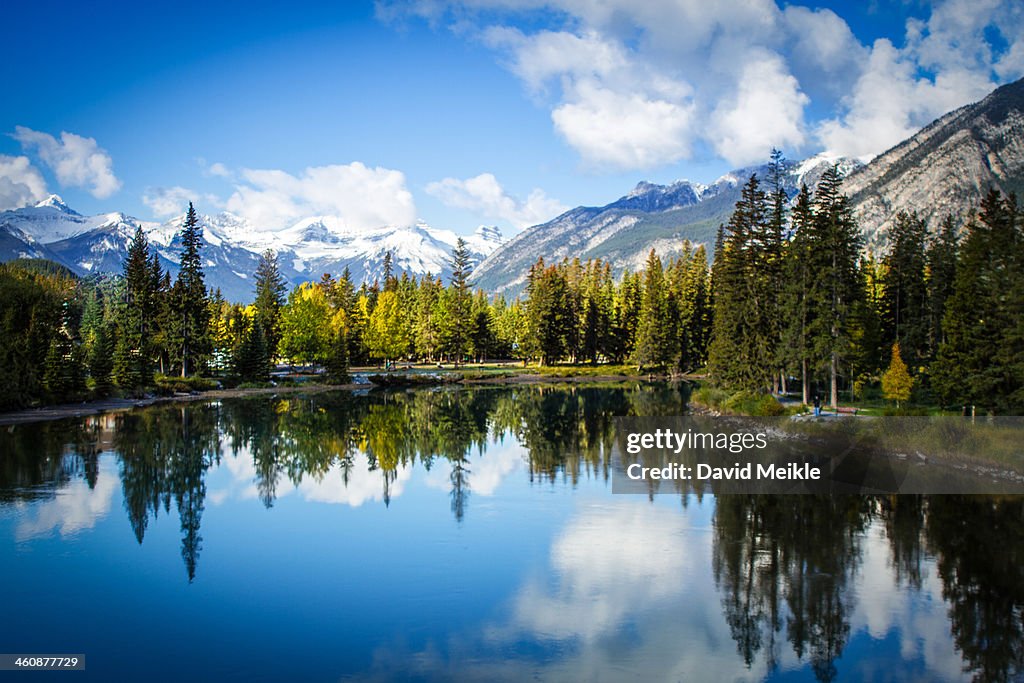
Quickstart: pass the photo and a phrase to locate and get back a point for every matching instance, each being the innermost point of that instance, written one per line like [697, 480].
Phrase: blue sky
[463, 113]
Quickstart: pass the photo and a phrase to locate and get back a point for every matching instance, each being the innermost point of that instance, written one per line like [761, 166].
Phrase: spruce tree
[101, 360]
[337, 364]
[547, 313]
[652, 330]
[190, 299]
[461, 310]
[132, 365]
[743, 351]
[270, 297]
[904, 306]
[974, 364]
[835, 281]
[941, 257]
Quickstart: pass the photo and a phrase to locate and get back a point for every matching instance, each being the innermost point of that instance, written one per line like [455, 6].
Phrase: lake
[472, 534]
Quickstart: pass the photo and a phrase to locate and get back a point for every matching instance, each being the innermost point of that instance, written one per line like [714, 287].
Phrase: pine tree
[547, 313]
[904, 305]
[461, 313]
[101, 360]
[132, 364]
[974, 363]
[744, 338]
[389, 276]
[250, 357]
[270, 298]
[942, 257]
[190, 298]
[835, 284]
[337, 365]
[628, 302]
[651, 343]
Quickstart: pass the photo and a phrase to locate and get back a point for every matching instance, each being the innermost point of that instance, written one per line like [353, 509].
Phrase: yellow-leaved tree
[897, 382]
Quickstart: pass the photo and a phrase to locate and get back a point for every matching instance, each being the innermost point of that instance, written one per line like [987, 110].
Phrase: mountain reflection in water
[628, 584]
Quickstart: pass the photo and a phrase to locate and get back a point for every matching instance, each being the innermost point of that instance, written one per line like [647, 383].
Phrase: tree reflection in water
[784, 565]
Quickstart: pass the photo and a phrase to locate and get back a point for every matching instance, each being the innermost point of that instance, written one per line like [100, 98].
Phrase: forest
[791, 302]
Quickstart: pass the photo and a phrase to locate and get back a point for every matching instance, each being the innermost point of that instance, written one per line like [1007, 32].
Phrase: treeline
[790, 296]
[658, 318]
[65, 338]
[795, 297]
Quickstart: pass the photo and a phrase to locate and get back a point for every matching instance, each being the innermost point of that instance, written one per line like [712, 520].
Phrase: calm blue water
[472, 535]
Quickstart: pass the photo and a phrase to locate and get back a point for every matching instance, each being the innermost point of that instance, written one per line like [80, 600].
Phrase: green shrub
[755, 404]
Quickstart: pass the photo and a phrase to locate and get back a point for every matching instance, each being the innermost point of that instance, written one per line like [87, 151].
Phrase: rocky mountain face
[231, 247]
[946, 168]
[623, 232]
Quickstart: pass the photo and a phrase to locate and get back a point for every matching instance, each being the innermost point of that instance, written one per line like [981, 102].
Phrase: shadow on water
[783, 565]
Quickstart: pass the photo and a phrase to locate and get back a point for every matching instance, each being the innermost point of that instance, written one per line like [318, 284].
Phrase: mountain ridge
[231, 246]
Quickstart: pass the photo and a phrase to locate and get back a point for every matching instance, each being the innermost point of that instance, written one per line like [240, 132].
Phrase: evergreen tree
[101, 360]
[190, 299]
[270, 298]
[904, 306]
[651, 342]
[63, 375]
[974, 363]
[835, 287]
[547, 313]
[942, 257]
[796, 306]
[626, 317]
[389, 277]
[133, 351]
[744, 337]
[460, 308]
[250, 358]
[337, 364]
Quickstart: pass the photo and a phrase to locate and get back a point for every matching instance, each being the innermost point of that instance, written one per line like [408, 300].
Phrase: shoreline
[116, 405]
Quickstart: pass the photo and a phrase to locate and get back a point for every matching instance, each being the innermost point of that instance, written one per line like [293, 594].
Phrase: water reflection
[738, 587]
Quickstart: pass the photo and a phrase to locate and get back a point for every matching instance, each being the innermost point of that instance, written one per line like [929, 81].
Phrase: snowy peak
[54, 201]
[650, 197]
[232, 245]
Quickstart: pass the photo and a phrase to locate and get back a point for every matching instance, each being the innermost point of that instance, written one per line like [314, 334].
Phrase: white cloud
[361, 197]
[638, 85]
[172, 201]
[77, 161]
[218, 169]
[485, 196]
[75, 507]
[610, 562]
[626, 130]
[766, 112]
[21, 184]
[551, 54]
[614, 110]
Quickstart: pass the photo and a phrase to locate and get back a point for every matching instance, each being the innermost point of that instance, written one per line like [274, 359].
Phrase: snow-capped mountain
[649, 217]
[231, 245]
